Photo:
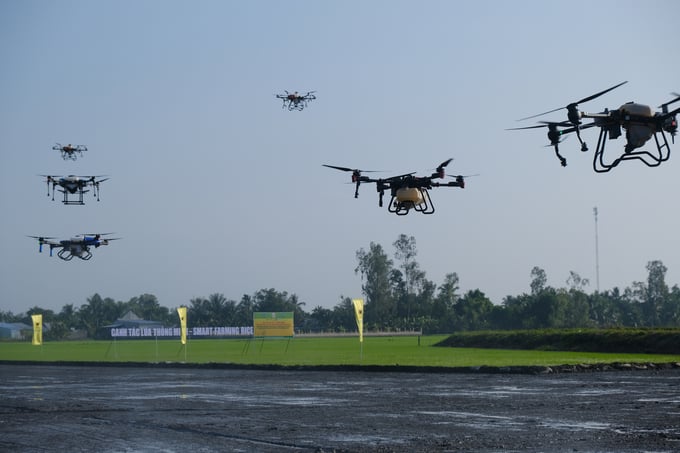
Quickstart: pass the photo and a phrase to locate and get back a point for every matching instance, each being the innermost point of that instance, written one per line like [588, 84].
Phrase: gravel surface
[126, 409]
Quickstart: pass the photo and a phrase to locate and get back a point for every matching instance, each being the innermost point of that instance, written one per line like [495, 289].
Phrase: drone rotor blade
[350, 169]
[665, 105]
[463, 176]
[590, 98]
[526, 127]
[574, 104]
[338, 168]
[540, 114]
[392, 178]
[445, 163]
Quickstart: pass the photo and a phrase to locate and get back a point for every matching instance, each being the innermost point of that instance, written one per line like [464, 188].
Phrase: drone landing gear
[65, 255]
[563, 161]
[584, 147]
[403, 207]
[67, 201]
[649, 159]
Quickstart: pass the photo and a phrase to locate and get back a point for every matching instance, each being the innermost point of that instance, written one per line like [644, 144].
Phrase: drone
[638, 121]
[69, 151]
[295, 101]
[73, 185]
[408, 192]
[78, 246]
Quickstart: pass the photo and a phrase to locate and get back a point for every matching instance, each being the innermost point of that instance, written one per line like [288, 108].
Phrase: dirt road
[60, 408]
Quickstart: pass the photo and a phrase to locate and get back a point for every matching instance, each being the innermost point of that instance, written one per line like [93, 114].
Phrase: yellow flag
[182, 312]
[359, 313]
[37, 329]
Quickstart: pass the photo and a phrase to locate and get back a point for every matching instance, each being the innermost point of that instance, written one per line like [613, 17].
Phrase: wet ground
[128, 409]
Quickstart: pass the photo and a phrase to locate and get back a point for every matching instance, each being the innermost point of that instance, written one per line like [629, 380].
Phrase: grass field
[301, 351]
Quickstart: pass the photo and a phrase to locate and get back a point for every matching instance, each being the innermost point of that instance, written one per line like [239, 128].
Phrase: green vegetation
[310, 351]
[398, 297]
[665, 341]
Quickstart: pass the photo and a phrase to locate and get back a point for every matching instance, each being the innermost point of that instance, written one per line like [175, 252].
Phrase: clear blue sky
[216, 189]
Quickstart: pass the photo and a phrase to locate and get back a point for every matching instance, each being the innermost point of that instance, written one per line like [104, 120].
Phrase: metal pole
[597, 254]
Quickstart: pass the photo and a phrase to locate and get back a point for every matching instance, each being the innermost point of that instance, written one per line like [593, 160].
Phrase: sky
[214, 188]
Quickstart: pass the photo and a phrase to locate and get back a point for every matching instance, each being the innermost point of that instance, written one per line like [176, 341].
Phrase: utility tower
[597, 254]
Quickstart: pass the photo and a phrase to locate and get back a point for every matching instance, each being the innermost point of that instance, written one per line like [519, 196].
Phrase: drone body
[639, 121]
[73, 185]
[295, 101]
[408, 192]
[69, 151]
[78, 246]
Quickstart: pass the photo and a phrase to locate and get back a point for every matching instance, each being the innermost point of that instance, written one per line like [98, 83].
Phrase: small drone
[407, 191]
[295, 101]
[69, 151]
[73, 184]
[638, 120]
[78, 246]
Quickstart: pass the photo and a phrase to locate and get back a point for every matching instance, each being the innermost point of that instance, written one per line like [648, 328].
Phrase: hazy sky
[216, 189]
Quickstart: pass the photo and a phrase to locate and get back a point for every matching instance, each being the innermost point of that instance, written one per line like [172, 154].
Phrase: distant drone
[69, 151]
[638, 120]
[407, 191]
[73, 184]
[78, 246]
[294, 101]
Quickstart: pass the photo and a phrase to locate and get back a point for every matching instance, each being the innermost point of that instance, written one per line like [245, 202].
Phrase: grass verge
[301, 351]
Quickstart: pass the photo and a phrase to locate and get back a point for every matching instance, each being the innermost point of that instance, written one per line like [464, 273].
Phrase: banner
[182, 312]
[273, 324]
[37, 329]
[359, 314]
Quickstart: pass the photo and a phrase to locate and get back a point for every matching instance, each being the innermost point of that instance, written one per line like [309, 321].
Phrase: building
[15, 330]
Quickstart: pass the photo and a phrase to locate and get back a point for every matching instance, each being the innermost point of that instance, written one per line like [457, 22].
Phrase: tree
[538, 280]
[656, 293]
[97, 313]
[375, 269]
[146, 306]
[270, 300]
[414, 277]
[473, 310]
[244, 311]
[442, 307]
[577, 283]
[216, 310]
[670, 312]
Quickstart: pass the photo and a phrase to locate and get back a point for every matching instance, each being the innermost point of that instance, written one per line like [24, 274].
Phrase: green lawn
[382, 351]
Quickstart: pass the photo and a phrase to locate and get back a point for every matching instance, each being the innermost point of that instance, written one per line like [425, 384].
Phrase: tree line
[398, 296]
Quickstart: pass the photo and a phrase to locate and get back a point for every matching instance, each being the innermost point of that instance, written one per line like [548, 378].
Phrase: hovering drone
[69, 151]
[638, 120]
[295, 101]
[407, 191]
[73, 185]
[77, 246]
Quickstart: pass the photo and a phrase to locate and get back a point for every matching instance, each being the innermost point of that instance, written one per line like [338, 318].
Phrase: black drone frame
[80, 191]
[69, 152]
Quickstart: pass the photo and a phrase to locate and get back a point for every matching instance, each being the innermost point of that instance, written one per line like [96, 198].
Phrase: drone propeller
[670, 123]
[664, 107]
[440, 169]
[395, 178]
[42, 240]
[356, 175]
[95, 235]
[571, 108]
[463, 176]
[106, 241]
